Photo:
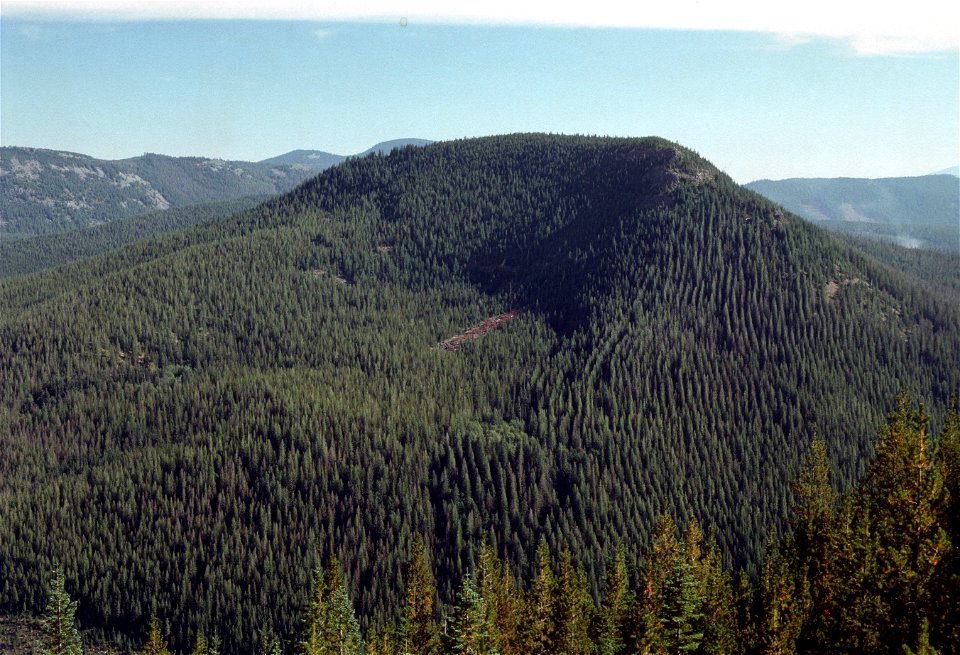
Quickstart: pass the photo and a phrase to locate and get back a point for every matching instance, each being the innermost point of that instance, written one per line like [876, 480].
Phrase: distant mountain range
[915, 212]
[50, 191]
[318, 160]
[953, 170]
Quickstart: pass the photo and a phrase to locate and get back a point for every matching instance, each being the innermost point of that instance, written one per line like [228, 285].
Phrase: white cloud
[321, 34]
[876, 29]
[33, 32]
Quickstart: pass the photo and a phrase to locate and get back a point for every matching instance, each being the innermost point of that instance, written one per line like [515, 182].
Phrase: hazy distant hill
[318, 160]
[217, 408]
[912, 211]
[36, 252]
[49, 191]
[952, 170]
[309, 160]
[386, 147]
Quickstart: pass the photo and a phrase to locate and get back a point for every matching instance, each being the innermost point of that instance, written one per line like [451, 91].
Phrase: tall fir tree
[469, 631]
[681, 608]
[155, 642]
[503, 601]
[314, 621]
[906, 493]
[647, 630]
[537, 628]
[418, 627]
[613, 617]
[810, 548]
[947, 591]
[59, 634]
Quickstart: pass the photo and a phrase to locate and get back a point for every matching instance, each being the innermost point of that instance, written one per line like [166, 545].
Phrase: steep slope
[912, 211]
[195, 419]
[47, 191]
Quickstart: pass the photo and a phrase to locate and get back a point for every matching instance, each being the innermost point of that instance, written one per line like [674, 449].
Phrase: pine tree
[200, 646]
[504, 604]
[59, 632]
[947, 594]
[718, 620]
[538, 629]
[572, 609]
[647, 629]
[810, 548]
[330, 626]
[682, 604]
[781, 610]
[905, 491]
[314, 621]
[615, 606]
[342, 628]
[155, 643]
[419, 630]
[469, 632]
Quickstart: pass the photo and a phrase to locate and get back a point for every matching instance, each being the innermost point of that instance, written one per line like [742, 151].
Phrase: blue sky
[756, 103]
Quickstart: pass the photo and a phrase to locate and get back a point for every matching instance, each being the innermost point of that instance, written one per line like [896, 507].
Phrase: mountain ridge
[44, 191]
[920, 211]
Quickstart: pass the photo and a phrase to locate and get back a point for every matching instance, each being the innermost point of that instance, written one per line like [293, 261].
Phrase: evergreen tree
[947, 592]
[59, 632]
[614, 607]
[469, 632]
[907, 497]
[781, 604]
[718, 620]
[682, 603]
[200, 646]
[538, 629]
[503, 601]
[342, 628]
[419, 630]
[647, 629]
[810, 548]
[155, 642]
[313, 637]
[572, 610]
[330, 626]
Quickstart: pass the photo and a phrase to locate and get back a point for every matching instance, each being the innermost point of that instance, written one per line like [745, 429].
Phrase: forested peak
[650, 166]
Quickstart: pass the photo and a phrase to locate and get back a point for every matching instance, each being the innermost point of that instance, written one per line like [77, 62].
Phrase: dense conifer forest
[194, 426]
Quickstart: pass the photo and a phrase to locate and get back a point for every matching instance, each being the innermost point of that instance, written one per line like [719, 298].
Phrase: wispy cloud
[322, 34]
[884, 29]
[33, 32]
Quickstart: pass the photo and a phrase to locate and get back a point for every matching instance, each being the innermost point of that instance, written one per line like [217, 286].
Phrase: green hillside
[191, 422]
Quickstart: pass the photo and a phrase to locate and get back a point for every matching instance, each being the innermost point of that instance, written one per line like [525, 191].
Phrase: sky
[818, 93]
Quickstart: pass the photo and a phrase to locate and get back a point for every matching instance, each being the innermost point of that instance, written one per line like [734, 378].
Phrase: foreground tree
[469, 631]
[419, 630]
[156, 642]
[60, 635]
[330, 625]
[906, 495]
